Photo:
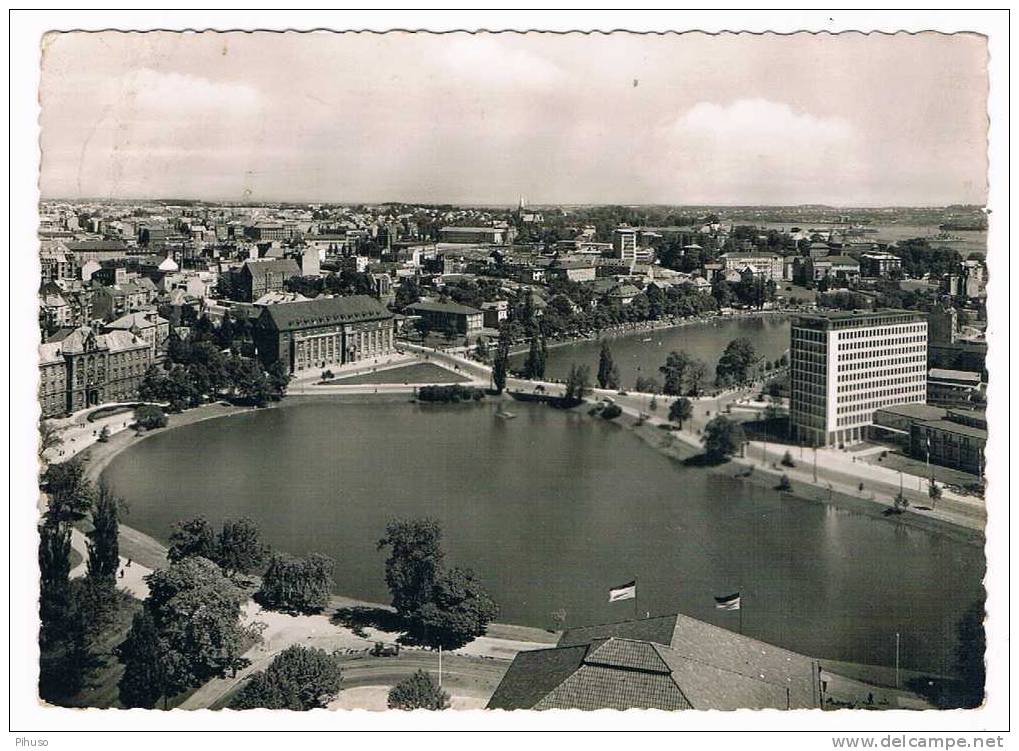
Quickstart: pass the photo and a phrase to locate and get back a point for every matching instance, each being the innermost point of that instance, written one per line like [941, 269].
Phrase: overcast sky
[733, 119]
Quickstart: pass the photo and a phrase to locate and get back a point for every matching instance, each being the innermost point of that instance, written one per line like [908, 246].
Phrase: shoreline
[623, 330]
[147, 548]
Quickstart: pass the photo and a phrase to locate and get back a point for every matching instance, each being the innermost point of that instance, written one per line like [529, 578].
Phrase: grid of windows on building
[844, 366]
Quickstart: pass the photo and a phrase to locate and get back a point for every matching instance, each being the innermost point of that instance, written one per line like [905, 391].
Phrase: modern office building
[844, 365]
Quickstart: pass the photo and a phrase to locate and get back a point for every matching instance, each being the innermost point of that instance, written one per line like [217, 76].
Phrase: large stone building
[255, 278]
[767, 266]
[82, 369]
[327, 331]
[845, 365]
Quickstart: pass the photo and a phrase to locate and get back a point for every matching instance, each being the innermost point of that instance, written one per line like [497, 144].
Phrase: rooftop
[838, 319]
[668, 662]
[944, 374]
[954, 427]
[323, 311]
[443, 307]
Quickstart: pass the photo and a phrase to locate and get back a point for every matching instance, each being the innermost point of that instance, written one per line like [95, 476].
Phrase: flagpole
[636, 613]
[741, 611]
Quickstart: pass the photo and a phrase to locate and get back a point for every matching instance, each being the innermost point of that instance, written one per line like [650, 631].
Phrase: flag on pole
[729, 602]
[626, 592]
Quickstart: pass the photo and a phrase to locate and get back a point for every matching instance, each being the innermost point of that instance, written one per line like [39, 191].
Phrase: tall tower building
[845, 365]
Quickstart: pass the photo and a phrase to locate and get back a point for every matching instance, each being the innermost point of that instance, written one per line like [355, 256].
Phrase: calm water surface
[643, 352]
[553, 508]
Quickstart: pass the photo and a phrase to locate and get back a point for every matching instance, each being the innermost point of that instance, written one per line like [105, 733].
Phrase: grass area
[104, 412]
[944, 475]
[422, 372]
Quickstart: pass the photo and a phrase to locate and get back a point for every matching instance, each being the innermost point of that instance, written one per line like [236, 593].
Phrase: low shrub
[149, 416]
[451, 393]
[611, 411]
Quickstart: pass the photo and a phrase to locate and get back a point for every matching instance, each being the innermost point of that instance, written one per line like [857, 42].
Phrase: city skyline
[614, 119]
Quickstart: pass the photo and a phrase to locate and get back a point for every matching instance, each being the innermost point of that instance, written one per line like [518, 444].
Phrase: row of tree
[73, 613]
[204, 372]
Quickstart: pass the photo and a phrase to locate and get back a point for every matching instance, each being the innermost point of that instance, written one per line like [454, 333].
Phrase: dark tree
[419, 691]
[534, 366]
[192, 537]
[299, 678]
[54, 582]
[196, 611]
[458, 610]
[415, 562]
[696, 377]
[49, 438]
[577, 383]
[296, 585]
[142, 653]
[647, 385]
[66, 671]
[279, 379]
[737, 364]
[680, 410]
[674, 373]
[69, 490]
[608, 373]
[103, 545]
[722, 438]
[149, 416]
[240, 547]
[500, 363]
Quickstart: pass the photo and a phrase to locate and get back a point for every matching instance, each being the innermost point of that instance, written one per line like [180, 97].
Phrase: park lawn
[418, 373]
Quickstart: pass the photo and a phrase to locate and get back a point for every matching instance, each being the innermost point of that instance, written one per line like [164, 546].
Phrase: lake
[643, 352]
[554, 508]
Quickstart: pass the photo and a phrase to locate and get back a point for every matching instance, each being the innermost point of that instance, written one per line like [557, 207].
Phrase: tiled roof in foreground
[669, 662]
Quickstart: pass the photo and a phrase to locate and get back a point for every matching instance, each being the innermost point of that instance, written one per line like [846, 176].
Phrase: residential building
[57, 264]
[257, 277]
[112, 302]
[571, 269]
[438, 316]
[836, 268]
[97, 250]
[264, 231]
[846, 365]
[325, 331]
[879, 263]
[495, 313]
[668, 662]
[147, 325]
[491, 235]
[974, 282]
[765, 265]
[80, 368]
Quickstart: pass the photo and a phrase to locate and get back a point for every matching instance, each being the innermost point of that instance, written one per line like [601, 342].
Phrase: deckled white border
[27, 717]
